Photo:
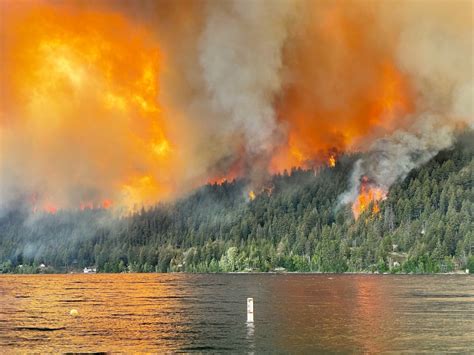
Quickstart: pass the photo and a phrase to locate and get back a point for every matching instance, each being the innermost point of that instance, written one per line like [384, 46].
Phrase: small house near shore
[90, 270]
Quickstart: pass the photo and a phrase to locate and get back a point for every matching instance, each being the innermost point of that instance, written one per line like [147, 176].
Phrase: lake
[207, 312]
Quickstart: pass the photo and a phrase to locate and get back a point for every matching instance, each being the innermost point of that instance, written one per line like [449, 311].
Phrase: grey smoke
[223, 71]
[392, 158]
[436, 50]
[241, 58]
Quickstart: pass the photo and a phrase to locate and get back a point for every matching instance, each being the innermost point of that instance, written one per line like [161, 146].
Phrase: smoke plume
[241, 58]
[435, 49]
[127, 103]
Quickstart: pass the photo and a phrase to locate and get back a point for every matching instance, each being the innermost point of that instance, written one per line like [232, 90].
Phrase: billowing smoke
[435, 49]
[128, 103]
[392, 158]
[241, 58]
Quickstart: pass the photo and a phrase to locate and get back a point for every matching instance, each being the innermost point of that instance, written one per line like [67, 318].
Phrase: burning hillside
[122, 104]
[369, 196]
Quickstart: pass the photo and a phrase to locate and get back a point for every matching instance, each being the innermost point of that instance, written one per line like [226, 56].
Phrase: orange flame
[88, 94]
[87, 78]
[322, 110]
[251, 195]
[219, 181]
[90, 205]
[50, 208]
[369, 195]
[106, 204]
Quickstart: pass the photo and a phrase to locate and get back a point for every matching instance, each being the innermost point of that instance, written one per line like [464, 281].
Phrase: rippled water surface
[200, 312]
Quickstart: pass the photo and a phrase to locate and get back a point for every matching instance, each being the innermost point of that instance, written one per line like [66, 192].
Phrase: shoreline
[251, 273]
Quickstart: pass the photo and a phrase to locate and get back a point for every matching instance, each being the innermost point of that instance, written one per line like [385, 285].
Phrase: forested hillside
[424, 225]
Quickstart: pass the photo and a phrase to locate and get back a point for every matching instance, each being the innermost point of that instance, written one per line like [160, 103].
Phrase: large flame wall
[129, 103]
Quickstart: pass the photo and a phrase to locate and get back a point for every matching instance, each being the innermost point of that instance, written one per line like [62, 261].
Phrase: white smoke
[241, 59]
[436, 51]
[220, 76]
[393, 157]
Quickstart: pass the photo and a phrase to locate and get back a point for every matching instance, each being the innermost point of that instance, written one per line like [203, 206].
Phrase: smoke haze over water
[132, 102]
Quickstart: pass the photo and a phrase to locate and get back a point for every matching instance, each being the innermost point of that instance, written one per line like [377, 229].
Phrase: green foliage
[425, 225]
[470, 264]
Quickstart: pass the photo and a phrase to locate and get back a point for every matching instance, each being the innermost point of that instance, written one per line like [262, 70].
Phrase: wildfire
[82, 88]
[369, 195]
[50, 208]
[100, 103]
[90, 205]
[319, 114]
[106, 204]
[251, 195]
[161, 148]
[218, 181]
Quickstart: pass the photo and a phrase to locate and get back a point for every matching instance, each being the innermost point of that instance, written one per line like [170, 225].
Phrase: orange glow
[84, 108]
[234, 170]
[82, 90]
[368, 195]
[90, 205]
[47, 297]
[106, 204]
[337, 100]
[297, 155]
[162, 148]
[218, 181]
[50, 208]
[251, 195]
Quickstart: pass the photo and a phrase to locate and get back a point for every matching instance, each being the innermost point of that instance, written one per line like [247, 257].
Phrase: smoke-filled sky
[127, 103]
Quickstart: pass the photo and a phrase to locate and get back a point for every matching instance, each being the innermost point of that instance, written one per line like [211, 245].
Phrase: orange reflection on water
[128, 312]
[294, 313]
[349, 313]
[373, 311]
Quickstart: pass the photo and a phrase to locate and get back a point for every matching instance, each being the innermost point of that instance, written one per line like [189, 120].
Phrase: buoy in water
[249, 310]
[74, 312]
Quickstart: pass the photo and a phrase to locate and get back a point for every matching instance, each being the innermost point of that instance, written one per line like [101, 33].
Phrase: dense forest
[425, 225]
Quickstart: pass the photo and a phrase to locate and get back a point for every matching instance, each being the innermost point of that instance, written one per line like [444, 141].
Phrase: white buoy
[249, 310]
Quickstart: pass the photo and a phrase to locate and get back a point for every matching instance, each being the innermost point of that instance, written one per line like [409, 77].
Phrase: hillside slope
[424, 225]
